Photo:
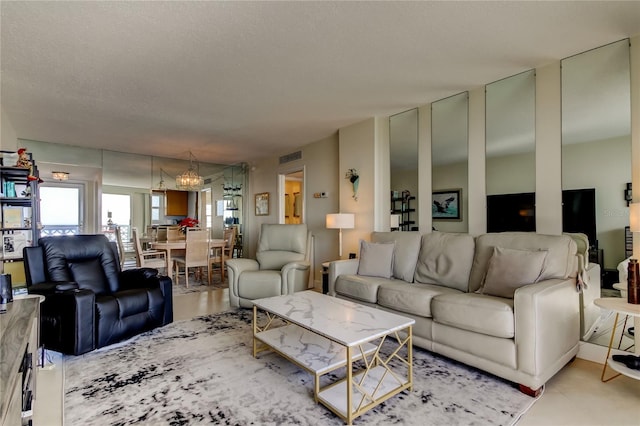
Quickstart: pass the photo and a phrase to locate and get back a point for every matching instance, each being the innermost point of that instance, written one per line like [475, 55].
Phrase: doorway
[292, 201]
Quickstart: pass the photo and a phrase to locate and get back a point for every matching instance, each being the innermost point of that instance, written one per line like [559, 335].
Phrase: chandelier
[190, 180]
[60, 175]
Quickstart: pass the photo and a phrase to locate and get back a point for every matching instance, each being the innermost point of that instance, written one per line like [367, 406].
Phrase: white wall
[8, 137]
[357, 151]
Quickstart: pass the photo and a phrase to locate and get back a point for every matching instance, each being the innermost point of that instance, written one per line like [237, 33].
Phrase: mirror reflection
[403, 152]
[596, 168]
[510, 153]
[449, 157]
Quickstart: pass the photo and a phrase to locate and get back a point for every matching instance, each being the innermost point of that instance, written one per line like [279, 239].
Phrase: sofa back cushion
[445, 259]
[88, 260]
[559, 262]
[407, 247]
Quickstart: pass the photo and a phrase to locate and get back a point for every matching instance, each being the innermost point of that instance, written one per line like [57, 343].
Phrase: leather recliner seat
[89, 302]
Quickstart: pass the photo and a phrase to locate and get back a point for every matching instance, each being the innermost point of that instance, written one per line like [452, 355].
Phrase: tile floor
[575, 396]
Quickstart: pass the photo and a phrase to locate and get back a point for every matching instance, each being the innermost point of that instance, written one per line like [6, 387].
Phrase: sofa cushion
[376, 259]
[560, 261]
[258, 284]
[359, 287]
[405, 257]
[479, 313]
[413, 299]
[510, 269]
[445, 259]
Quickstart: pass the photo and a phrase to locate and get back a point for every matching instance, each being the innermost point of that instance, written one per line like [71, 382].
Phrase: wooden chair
[126, 251]
[230, 241]
[161, 233]
[196, 253]
[148, 258]
[174, 233]
[216, 257]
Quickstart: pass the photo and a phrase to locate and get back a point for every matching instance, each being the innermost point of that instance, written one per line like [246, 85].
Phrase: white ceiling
[236, 81]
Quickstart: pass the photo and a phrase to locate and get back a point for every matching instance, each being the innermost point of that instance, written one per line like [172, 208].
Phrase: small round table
[620, 306]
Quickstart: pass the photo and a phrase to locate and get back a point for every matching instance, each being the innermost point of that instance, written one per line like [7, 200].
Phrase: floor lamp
[340, 221]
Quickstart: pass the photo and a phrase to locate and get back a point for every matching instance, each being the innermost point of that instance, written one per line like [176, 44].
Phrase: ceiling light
[60, 175]
[190, 180]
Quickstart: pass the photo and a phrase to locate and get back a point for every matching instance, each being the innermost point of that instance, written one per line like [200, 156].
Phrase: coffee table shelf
[376, 384]
[310, 351]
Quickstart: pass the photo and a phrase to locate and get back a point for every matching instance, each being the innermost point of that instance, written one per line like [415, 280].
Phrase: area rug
[198, 285]
[201, 371]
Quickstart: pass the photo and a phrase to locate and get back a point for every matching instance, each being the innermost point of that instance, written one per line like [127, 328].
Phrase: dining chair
[174, 233]
[148, 258]
[196, 254]
[216, 257]
[229, 241]
[126, 251]
[161, 233]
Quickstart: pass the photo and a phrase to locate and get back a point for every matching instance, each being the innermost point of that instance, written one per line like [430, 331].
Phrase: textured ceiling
[236, 81]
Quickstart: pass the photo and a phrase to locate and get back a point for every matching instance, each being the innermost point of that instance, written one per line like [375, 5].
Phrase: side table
[325, 277]
[620, 306]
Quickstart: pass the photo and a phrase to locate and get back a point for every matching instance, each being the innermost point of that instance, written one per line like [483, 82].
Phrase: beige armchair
[282, 265]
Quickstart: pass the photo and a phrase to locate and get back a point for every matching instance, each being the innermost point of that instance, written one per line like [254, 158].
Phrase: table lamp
[340, 221]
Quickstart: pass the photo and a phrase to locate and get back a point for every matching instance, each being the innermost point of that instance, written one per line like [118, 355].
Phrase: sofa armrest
[234, 268]
[547, 317]
[49, 288]
[341, 267]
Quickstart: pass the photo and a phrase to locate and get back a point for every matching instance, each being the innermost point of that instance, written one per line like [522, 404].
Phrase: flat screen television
[511, 212]
[516, 212]
[579, 212]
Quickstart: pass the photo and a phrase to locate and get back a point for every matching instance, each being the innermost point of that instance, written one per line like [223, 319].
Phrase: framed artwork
[262, 204]
[445, 204]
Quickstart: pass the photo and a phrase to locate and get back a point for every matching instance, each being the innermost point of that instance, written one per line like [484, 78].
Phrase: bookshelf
[20, 216]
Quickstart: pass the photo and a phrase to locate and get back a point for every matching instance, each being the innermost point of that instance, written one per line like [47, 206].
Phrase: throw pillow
[376, 259]
[510, 269]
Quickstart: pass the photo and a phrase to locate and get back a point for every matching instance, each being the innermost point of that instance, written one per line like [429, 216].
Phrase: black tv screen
[579, 212]
[511, 212]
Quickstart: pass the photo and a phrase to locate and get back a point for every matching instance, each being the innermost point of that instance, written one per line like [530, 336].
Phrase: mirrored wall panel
[450, 155]
[403, 147]
[510, 153]
[596, 171]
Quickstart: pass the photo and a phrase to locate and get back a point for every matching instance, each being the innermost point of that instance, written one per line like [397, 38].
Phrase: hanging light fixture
[190, 180]
[60, 175]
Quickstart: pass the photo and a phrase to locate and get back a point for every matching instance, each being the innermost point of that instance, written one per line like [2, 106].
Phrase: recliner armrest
[48, 288]
[138, 278]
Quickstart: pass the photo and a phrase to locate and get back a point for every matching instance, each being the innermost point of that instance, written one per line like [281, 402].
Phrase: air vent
[291, 157]
[207, 181]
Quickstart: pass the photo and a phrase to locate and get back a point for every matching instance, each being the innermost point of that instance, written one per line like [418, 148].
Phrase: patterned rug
[196, 285]
[201, 371]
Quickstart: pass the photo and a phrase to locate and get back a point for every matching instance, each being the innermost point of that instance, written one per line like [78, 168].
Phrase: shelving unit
[20, 215]
[402, 206]
[628, 242]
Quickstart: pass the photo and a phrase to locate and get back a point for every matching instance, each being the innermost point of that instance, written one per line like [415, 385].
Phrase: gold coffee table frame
[377, 377]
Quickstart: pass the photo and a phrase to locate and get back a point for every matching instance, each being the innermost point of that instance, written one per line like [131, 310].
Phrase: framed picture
[262, 204]
[445, 204]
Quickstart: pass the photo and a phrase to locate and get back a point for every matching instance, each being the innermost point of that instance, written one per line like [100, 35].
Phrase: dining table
[181, 245]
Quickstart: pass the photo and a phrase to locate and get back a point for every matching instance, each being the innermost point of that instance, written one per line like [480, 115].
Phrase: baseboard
[590, 352]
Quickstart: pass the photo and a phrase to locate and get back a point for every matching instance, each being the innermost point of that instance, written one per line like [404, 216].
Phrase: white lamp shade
[394, 221]
[340, 221]
[634, 217]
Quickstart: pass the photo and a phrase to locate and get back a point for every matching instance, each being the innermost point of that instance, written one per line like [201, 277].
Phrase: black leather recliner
[89, 302]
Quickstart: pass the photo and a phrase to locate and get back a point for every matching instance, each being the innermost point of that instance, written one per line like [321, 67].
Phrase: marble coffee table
[323, 333]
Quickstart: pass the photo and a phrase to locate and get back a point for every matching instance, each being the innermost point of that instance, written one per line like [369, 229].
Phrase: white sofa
[434, 279]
